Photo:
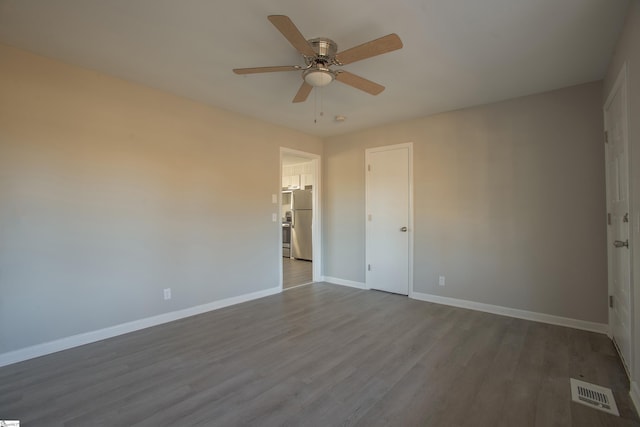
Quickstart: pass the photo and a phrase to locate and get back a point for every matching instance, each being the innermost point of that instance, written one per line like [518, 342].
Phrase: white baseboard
[93, 336]
[601, 328]
[635, 395]
[343, 282]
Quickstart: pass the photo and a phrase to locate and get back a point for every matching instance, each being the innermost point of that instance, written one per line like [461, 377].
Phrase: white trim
[635, 395]
[124, 328]
[601, 328]
[316, 224]
[344, 282]
[280, 254]
[367, 154]
[620, 80]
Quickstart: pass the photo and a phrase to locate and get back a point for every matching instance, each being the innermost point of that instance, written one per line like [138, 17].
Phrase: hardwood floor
[296, 272]
[323, 355]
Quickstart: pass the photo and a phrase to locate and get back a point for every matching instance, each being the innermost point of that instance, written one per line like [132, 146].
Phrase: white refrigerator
[302, 207]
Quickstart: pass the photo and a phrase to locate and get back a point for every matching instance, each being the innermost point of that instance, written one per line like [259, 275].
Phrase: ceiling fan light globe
[318, 78]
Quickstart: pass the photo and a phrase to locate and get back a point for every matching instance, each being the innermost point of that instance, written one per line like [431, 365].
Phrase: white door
[388, 221]
[617, 170]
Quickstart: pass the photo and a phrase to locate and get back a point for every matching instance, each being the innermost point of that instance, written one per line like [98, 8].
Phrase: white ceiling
[457, 53]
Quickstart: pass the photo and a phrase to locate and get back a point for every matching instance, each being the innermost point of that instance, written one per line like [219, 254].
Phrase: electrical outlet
[441, 281]
[167, 293]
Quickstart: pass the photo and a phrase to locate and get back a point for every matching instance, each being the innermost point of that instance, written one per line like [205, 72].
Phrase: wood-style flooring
[323, 355]
[296, 272]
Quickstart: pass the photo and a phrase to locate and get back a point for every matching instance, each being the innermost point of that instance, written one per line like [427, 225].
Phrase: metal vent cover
[594, 396]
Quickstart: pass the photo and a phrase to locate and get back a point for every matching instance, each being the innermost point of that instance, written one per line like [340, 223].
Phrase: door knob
[621, 244]
[404, 229]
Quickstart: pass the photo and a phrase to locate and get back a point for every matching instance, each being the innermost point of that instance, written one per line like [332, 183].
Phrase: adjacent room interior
[297, 201]
[283, 213]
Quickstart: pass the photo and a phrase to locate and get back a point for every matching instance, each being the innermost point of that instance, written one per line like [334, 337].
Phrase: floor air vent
[593, 395]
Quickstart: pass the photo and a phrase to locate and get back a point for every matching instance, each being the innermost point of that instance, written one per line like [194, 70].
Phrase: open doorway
[300, 213]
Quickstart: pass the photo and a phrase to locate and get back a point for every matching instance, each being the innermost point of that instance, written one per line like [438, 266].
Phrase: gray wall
[509, 203]
[111, 191]
[628, 50]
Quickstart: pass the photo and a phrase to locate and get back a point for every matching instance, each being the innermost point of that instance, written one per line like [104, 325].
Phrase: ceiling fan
[320, 54]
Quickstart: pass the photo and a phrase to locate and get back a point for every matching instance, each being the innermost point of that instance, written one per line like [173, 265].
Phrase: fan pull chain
[317, 93]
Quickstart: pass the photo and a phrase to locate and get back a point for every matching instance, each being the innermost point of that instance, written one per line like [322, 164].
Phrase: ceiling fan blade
[375, 47]
[303, 92]
[291, 33]
[265, 69]
[359, 82]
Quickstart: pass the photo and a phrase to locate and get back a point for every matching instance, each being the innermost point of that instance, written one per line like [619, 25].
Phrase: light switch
[274, 217]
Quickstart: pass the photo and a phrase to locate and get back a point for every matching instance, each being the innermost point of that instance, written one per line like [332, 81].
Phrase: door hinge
[608, 218]
[625, 218]
[369, 267]
[610, 301]
[369, 168]
[606, 137]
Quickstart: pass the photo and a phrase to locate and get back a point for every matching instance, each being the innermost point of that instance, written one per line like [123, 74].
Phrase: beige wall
[111, 191]
[628, 50]
[509, 203]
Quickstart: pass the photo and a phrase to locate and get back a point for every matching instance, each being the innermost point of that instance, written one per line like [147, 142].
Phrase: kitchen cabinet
[291, 181]
[306, 179]
[297, 176]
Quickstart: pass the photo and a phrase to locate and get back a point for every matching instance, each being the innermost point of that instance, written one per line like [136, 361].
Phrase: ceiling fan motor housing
[325, 49]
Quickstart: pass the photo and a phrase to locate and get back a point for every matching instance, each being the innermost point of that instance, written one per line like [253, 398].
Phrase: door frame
[367, 155]
[316, 222]
[622, 85]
